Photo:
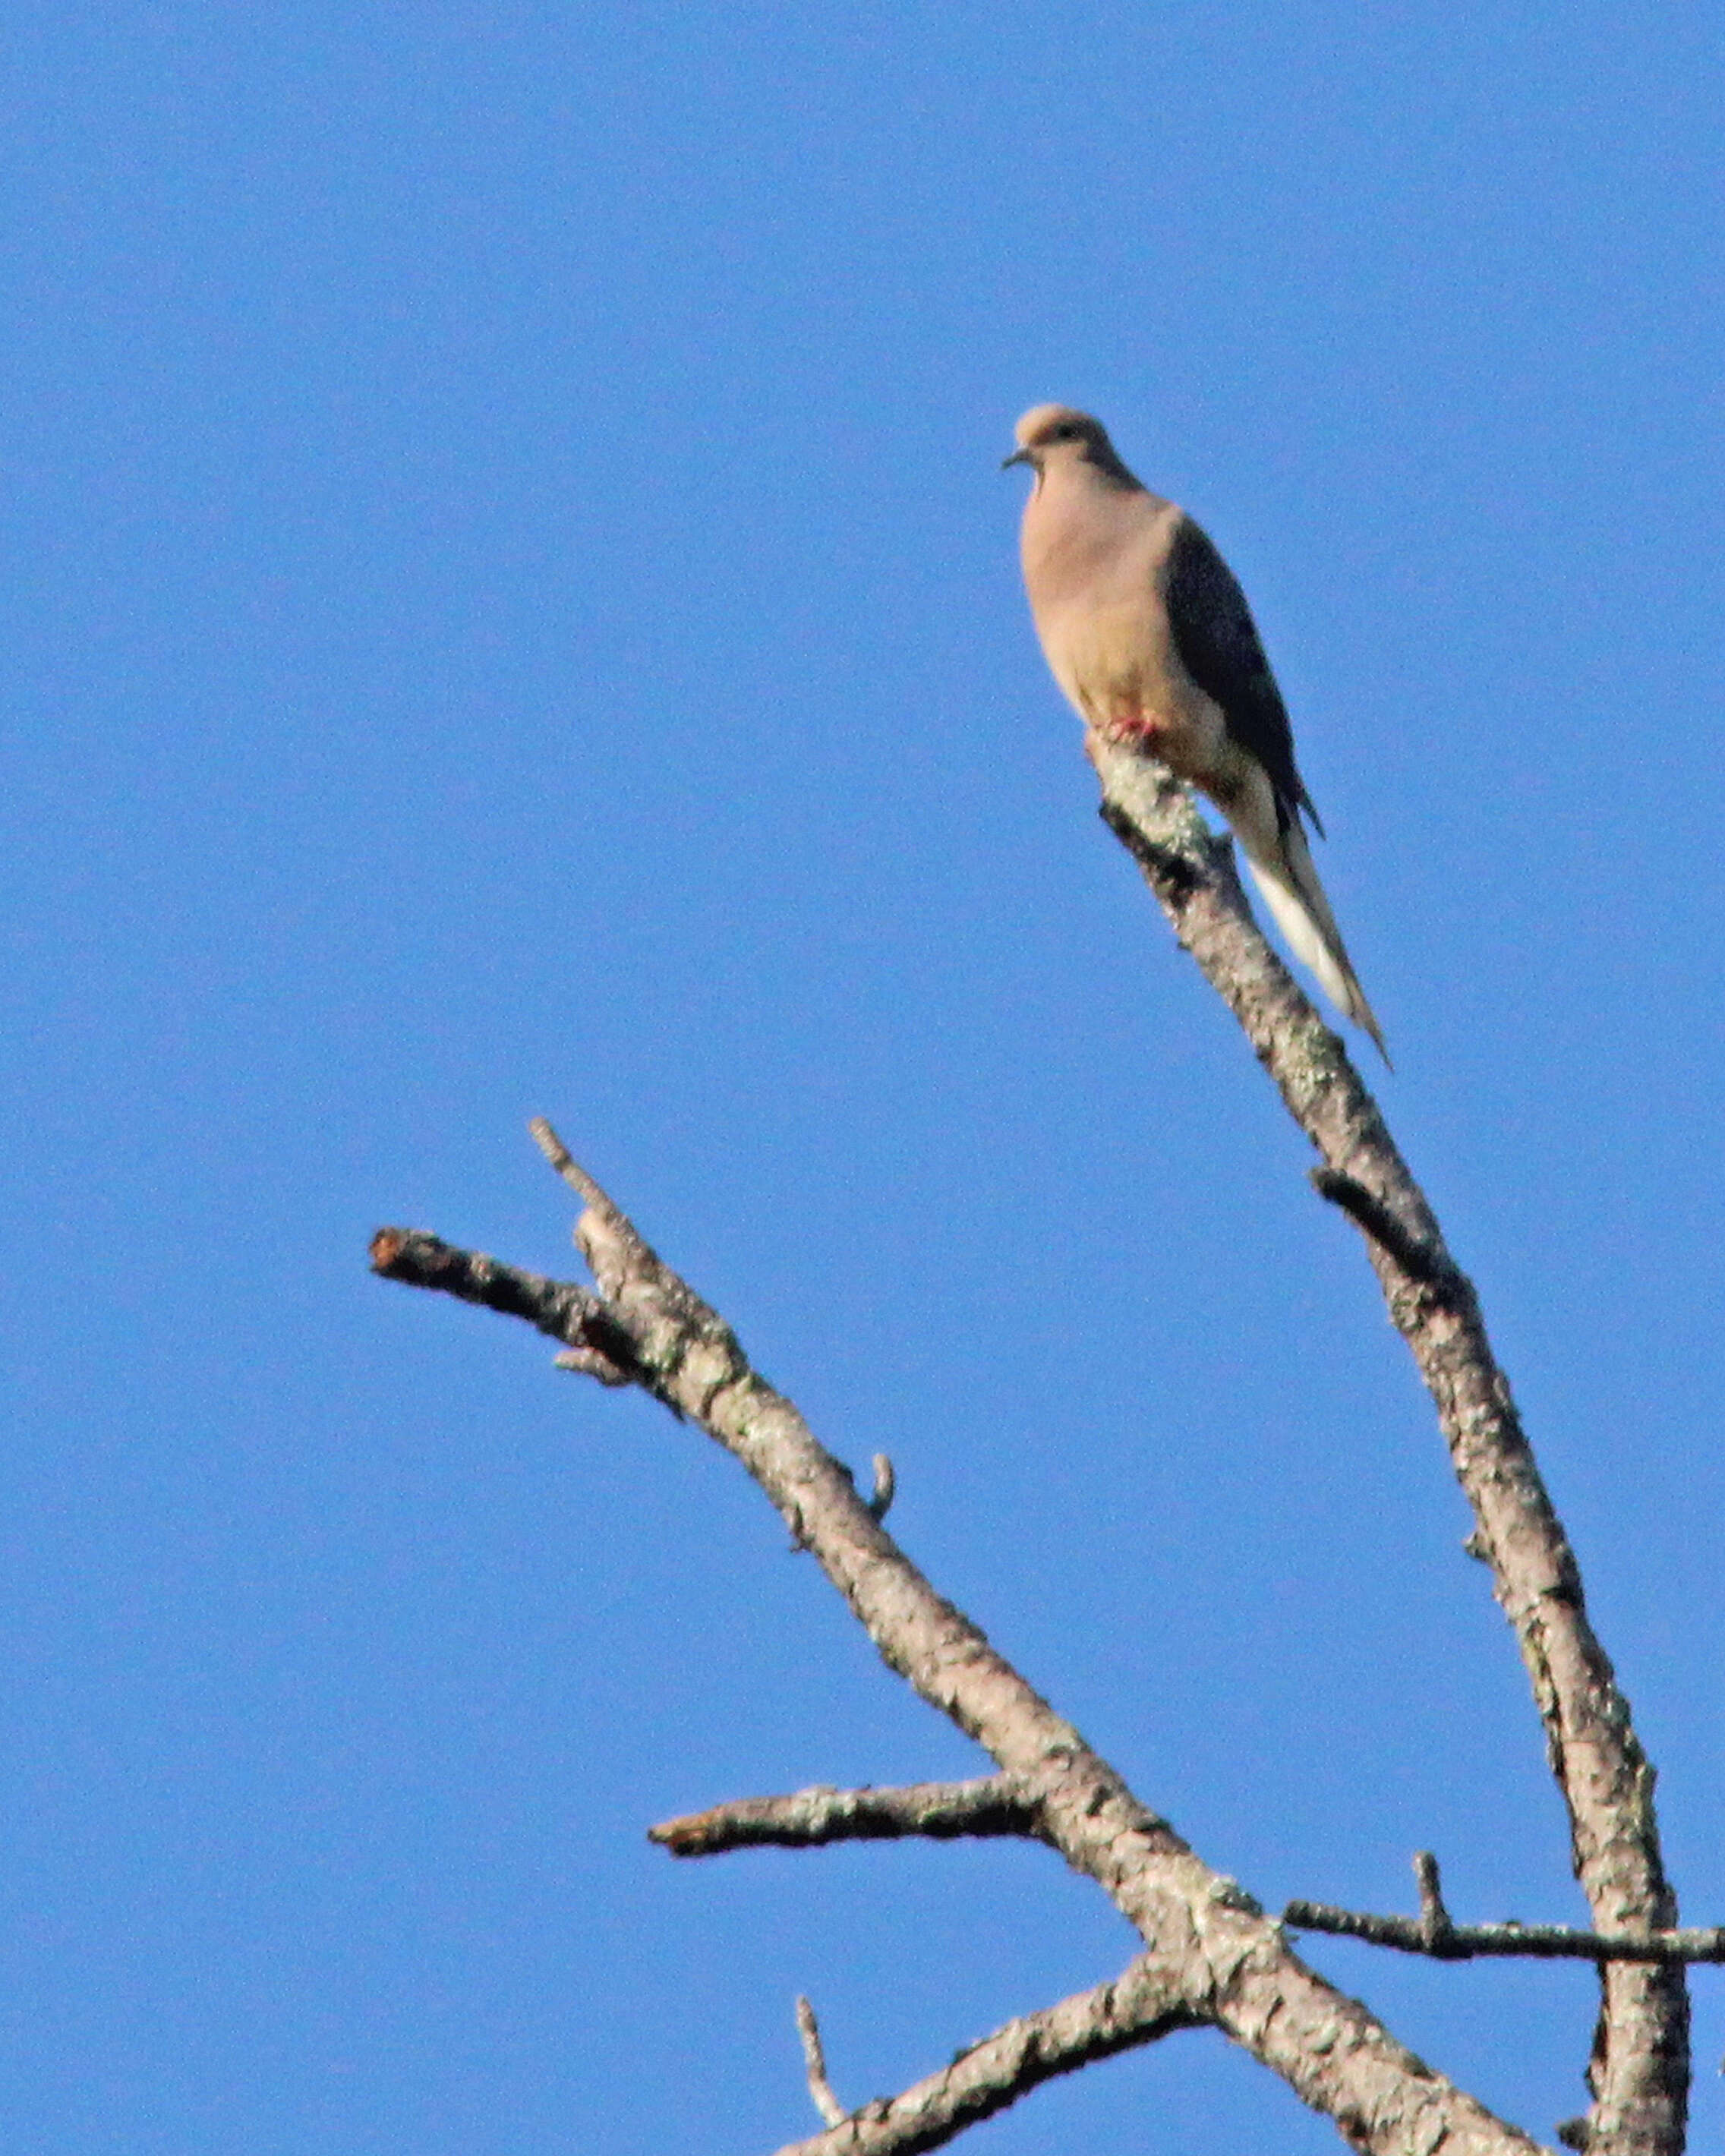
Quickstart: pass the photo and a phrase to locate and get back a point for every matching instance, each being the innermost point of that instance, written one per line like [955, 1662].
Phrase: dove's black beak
[1018, 457]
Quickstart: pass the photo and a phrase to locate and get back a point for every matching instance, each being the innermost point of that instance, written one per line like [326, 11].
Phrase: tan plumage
[1147, 631]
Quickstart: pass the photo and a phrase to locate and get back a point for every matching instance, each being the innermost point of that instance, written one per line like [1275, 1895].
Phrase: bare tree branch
[1435, 1933]
[1212, 1959]
[996, 1804]
[567, 1312]
[1217, 1959]
[1639, 2072]
[1136, 2008]
[814, 2060]
[1536, 1942]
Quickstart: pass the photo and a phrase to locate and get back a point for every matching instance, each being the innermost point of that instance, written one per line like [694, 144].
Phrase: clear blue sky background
[510, 606]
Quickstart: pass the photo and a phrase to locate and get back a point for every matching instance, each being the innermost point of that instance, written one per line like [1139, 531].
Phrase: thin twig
[566, 1166]
[1436, 1923]
[997, 1805]
[815, 2060]
[1537, 1942]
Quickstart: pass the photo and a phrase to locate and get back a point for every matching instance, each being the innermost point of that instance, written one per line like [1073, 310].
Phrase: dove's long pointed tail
[1291, 890]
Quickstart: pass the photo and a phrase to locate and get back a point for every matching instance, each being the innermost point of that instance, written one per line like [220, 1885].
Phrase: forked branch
[1212, 1957]
[1135, 2009]
[1639, 2072]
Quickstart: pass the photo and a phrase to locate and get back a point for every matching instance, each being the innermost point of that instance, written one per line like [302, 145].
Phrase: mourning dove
[1147, 632]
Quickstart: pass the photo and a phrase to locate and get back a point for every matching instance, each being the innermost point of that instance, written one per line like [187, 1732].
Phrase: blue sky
[510, 607]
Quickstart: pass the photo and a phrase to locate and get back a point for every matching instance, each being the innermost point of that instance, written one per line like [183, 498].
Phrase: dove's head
[1050, 436]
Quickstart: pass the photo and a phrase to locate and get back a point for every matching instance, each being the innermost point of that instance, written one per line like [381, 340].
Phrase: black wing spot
[1219, 647]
